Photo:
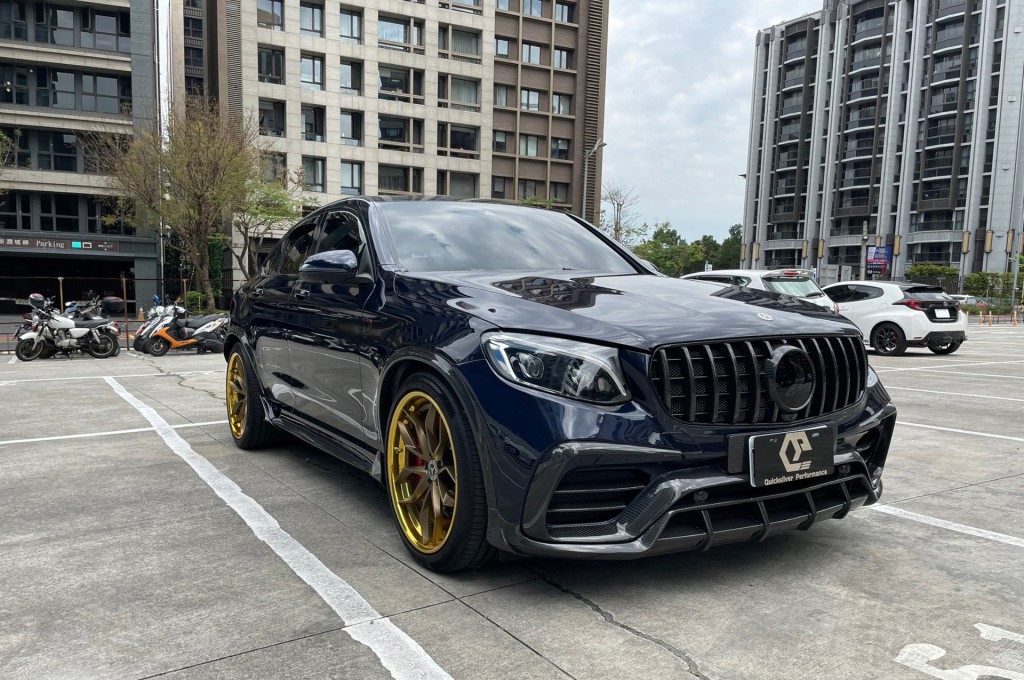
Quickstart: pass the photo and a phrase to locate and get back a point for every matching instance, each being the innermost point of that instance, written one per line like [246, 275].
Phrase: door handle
[257, 291]
[302, 293]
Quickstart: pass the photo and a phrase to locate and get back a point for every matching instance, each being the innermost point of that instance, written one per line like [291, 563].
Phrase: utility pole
[864, 252]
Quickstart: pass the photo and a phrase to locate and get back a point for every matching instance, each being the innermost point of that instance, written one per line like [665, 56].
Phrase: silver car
[798, 283]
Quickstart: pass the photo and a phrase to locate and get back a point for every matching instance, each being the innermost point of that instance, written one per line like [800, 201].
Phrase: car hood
[638, 311]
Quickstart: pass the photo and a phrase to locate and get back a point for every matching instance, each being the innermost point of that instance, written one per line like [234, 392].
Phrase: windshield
[797, 286]
[451, 236]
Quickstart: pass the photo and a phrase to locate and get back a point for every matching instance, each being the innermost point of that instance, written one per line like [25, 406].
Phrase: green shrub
[195, 301]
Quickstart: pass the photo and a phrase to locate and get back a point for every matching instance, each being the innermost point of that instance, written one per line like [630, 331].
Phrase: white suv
[894, 316]
[797, 283]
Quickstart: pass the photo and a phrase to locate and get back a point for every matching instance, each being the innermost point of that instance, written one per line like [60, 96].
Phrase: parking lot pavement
[137, 541]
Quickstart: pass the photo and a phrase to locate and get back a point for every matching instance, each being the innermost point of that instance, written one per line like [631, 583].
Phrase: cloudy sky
[677, 107]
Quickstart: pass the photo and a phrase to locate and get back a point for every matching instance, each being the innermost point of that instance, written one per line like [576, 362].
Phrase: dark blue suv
[520, 383]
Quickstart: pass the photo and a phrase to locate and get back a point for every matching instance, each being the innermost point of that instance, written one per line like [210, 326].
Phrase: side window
[862, 293]
[839, 293]
[297, 245]
[342, 231]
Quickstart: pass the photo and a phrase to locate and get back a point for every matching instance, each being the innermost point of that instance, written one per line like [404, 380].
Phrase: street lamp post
[864, 251]
[586, 173]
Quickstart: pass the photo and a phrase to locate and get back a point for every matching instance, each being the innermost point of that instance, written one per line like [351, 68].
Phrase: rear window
[925, 293]
[797, 286]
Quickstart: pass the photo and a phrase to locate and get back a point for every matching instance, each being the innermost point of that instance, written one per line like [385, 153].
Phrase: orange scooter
[205, 333]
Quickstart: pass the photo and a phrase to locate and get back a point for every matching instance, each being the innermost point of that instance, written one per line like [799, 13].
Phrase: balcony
[788, 233]
[934, 225]
[860, 180]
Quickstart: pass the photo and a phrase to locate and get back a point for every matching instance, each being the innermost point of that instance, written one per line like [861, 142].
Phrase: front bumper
[681, 508]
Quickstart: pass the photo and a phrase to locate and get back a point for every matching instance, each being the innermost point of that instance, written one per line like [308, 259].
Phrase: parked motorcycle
[205, 333]
[154, 316]
[53, 332]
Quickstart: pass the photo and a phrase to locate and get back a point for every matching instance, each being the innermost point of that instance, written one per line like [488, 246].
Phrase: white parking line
[398, 652]
[951, 394]
[952, 526]
[103, 377]
[13, 360]
[886, 369]
[106, 434]
[953, 429]
[958, 374]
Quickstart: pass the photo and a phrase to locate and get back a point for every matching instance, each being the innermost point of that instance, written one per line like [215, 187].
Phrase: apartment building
[889, 128]
[67, 69]
[469, 98]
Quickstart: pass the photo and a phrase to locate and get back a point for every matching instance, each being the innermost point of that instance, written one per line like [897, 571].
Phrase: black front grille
[723, 382]
[587, 498]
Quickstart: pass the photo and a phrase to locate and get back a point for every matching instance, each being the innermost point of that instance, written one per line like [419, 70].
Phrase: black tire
[49, 351]
[945, 347]
[888, 340]
[29, 350]
[251, 430]
[157, 346]
[464, 545]
[104, 348]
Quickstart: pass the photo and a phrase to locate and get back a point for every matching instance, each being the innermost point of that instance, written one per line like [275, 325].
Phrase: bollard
[990, 318]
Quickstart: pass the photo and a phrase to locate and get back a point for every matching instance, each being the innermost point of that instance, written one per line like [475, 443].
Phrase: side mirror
[333, 266]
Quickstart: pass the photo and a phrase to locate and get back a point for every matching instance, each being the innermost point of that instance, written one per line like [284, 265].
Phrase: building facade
[469, 98]
[68, 69]
[889, 128]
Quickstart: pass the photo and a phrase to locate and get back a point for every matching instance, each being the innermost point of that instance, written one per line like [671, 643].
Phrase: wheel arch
[884, 322]
[422, 361]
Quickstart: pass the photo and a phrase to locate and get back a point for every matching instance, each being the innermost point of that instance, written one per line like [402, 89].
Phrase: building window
[352, 128]
[313, 174]
[562, 58]
[103, 29]
[501, 47]
[270, 14]
[531, 53]
[458, 141]
[498, 187]
[559, 192]
[271, 65]
[351, 178]
[397, 179]
[400, 134]
[501, 141]
[400, 84]
[351, 26]
[193, 28]
[527, 189]
[275, 168]
[529, 100]
[101, 93]
[561, 104]
[501, 95]
[560, 148]
[311, 19]
[13, 24]
[194, 57]
[313, 123]
[312, 69]
[404, 35]
[463, 94]
[271, 118]
[503, 4]
[56, 151]
[458, 184]
[351, 77]
[465, 46]
[529, 145]
[565, 12]
[533, 8]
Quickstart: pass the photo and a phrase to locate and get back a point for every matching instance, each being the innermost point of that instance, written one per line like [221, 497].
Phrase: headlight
[571, 369]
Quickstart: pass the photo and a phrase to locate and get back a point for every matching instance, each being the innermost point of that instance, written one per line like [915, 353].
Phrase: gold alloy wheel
[236, 395]
[421, 472]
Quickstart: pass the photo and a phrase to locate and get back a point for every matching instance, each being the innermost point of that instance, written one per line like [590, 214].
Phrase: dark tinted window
[839, 293]
[295, 248]
[924, 293]
[341, 232]
[450, 236]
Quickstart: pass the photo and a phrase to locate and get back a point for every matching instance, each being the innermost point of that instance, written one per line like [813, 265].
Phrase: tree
[728, 255]
[666, 250]
[930, 271]
[270, 206]
[8, 157]
[192, 179]
[619, 221]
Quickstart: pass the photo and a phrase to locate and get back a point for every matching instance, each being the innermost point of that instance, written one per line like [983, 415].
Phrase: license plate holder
[942, 313]
[781, 457]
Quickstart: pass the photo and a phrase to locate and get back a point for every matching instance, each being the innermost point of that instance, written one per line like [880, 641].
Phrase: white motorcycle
[57, 333]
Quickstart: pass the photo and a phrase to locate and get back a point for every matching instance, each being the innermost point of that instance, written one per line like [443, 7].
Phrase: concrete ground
[118, 559]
